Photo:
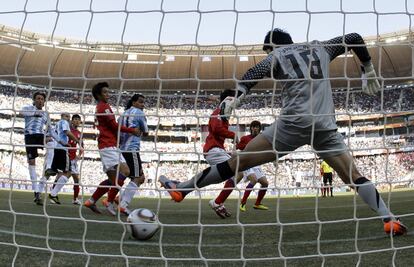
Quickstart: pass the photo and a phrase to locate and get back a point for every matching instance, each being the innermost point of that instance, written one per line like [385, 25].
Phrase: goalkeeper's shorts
[286, 139]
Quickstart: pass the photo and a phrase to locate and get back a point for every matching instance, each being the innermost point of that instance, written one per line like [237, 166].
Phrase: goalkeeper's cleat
[243, 207]
[76, 202]
[109, 206]
[92, 206]
[260, 207]
[177, 196]
[54, 199]
[396, 226]
[219, 209]
[124, 210]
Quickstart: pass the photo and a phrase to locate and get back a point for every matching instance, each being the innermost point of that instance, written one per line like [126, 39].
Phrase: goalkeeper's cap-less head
[276, 37]
[226, 93]
[97, 89]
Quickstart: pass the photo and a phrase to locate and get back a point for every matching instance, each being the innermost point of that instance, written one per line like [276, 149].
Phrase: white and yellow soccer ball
[142, 224]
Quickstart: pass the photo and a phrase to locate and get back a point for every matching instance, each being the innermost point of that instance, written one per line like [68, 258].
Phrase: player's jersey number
[314, 63]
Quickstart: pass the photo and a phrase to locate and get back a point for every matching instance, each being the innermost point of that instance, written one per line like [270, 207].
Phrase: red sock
[114, 190]
[100, 191]
[75, 191]
[247, 193]
[261, 195]
[225, 193]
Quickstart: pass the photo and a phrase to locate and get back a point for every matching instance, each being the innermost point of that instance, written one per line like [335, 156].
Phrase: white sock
[58, 186]
[49, 155]
[41, 185]
[33, 177]
[128, 194]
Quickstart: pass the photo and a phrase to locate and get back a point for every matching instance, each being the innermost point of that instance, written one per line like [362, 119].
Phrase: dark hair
[133, 99]
[76, 116]
[39, 93]
[226, 93]
[97, 89]
[278, 37]
[255, 124]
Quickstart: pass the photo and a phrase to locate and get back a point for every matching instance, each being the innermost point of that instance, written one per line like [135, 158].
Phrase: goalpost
[308, 230]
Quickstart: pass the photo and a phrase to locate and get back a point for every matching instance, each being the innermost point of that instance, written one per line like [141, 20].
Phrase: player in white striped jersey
[35, 119]
[61, 162]
[307, 116]
[133, 117]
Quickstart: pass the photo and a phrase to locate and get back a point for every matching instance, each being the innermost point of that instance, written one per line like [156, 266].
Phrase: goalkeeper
[307, 116]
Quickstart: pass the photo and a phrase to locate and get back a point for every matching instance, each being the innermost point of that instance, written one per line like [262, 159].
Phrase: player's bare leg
[223, 171]
[344, 165]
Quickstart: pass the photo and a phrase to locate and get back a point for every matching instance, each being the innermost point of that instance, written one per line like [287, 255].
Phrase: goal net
[180, 55]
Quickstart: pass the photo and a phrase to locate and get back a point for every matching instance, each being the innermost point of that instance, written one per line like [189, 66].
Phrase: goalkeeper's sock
[247, 193]
[128, 194]
[225, 193]
[76, 190]
[100, 191]
[370, 195]
[58, 186]
[260, 195]
[212, 175]
[33, 177]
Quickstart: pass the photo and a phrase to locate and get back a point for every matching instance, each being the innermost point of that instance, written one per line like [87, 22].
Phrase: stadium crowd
[180, 160]
[261, 106]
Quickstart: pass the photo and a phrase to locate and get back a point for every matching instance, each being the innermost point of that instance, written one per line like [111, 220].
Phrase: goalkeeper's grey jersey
[303, 70]
[306, 95]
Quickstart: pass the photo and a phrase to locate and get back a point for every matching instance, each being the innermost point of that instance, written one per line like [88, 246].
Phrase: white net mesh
[165, 51]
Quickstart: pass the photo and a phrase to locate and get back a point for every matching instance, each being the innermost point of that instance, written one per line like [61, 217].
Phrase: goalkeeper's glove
[370, 84]
[228, 105]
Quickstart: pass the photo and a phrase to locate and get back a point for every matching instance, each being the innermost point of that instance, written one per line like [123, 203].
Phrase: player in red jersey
[218, 131]
[75, 123]
[113, 162]
[254, 175]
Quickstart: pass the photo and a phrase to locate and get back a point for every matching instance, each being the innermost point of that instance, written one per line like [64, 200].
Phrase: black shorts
[134, 163]
[33, 142]
[61, 162]
[298, 184]
[327, 178]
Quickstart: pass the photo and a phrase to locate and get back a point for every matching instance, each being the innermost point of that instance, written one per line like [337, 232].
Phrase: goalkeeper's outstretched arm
[353, 41]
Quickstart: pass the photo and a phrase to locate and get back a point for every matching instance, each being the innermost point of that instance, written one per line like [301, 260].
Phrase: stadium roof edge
[31, 38]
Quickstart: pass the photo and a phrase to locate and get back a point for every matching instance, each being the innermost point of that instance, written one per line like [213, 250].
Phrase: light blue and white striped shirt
[61, 127]
[35, 120]
[132, 118]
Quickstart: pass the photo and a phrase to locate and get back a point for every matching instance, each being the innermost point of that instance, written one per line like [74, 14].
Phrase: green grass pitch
[286, 235]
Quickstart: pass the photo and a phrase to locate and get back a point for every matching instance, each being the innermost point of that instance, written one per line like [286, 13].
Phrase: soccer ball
[142, 224]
